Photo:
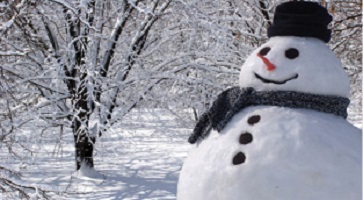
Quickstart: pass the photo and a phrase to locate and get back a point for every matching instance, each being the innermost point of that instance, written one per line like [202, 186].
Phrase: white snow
[295, 154]
[319, 70]
[138, 159]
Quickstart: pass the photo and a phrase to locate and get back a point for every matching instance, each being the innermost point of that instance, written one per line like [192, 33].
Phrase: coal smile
[275, 81]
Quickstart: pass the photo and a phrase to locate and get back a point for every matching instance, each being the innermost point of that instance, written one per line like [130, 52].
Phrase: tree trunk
[84, 150]
[83, 139]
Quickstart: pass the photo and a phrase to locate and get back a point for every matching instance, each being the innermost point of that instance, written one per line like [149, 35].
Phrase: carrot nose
[270, 66]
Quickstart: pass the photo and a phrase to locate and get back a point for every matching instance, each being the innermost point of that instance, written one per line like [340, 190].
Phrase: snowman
[282, 133]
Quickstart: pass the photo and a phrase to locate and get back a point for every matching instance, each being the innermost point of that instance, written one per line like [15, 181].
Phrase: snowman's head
[296, 57]
[289, 63]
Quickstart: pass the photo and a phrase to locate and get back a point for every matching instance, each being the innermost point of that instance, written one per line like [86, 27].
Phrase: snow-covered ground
[140, 159]
[355, 118]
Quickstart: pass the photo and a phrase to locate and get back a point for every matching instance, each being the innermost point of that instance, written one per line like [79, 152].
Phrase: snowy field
[141, 159]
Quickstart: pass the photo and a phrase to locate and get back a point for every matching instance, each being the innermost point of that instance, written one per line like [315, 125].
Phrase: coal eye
[265, 51]
[292, 53]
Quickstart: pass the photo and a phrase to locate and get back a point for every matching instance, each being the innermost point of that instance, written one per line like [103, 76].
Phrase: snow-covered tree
[347, 44]
[73, 60]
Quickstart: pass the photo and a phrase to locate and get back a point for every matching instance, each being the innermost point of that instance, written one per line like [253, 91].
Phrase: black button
[245, 138]
[254, 119]
[239, 158]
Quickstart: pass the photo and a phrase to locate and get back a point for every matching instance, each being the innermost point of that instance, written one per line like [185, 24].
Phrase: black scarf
[233, 100]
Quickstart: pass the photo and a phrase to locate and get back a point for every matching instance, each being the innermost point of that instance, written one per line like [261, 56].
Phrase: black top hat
[302, 19]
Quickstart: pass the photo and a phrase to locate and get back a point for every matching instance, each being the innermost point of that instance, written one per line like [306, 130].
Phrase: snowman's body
[281, 153]
[293, 154]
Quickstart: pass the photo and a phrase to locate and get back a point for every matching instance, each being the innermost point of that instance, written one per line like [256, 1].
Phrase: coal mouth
[269, 81]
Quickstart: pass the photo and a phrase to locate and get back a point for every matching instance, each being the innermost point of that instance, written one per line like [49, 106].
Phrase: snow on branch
[66, 5]
[5, 26]
[111, 45]
[10, 183]
[12, 53]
